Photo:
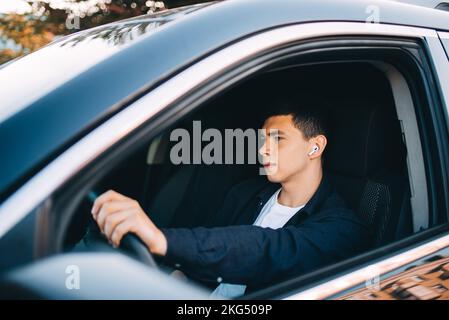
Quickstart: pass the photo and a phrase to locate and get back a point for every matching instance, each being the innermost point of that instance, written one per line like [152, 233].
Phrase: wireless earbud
[315, 149]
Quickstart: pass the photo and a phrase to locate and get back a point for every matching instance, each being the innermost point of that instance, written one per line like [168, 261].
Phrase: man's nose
[264, 150]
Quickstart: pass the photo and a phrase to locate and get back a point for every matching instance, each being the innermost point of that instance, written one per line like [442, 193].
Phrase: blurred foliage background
[27, 25]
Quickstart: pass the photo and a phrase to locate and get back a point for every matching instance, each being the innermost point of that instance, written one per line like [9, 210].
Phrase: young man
[269, 230]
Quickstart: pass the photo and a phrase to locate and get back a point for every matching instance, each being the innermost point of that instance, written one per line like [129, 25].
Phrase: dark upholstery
[365, 157]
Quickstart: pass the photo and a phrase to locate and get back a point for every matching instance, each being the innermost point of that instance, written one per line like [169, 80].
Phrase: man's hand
[117, 215]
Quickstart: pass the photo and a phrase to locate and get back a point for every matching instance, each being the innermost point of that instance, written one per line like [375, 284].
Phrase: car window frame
[369, 253]
[444, 37]
[105, 135]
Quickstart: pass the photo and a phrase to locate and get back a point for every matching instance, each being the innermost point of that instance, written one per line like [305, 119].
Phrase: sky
[14, 6]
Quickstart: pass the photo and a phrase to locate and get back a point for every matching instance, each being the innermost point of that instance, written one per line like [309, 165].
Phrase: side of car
[421, 106]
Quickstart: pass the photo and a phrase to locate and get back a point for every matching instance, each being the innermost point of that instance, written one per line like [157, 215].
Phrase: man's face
[284, 150]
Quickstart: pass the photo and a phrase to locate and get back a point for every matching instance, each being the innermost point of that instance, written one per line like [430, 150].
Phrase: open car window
[375, 181]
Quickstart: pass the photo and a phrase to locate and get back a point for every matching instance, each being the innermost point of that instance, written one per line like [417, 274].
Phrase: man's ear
[321, 142]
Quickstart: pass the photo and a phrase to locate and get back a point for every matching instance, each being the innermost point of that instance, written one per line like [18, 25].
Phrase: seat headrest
[361, 139]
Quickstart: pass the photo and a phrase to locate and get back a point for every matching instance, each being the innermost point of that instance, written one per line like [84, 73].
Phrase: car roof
[62, 103]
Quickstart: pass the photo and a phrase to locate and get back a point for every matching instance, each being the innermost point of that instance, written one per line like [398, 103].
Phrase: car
[94, 111]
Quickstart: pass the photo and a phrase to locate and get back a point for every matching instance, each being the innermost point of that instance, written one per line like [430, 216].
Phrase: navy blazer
[322, 232]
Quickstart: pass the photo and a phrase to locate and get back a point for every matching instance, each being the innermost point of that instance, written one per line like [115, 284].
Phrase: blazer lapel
[252, 210]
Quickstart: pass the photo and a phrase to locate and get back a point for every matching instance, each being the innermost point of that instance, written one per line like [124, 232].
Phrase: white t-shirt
[273, 215]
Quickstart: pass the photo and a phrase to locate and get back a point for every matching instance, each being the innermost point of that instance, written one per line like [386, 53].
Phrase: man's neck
[298, 190]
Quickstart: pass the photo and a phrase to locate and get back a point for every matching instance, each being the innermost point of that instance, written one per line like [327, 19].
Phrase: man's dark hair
[309, 113]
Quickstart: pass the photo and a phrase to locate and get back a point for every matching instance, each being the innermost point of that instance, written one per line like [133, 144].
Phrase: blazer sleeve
[256, 256]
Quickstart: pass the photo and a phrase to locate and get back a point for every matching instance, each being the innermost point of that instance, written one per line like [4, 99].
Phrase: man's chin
[273, 178]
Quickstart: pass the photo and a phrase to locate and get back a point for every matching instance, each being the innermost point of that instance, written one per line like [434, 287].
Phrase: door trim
[359, 276]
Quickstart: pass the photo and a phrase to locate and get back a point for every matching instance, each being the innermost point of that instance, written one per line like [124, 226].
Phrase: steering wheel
[130, 244]
[134, 247]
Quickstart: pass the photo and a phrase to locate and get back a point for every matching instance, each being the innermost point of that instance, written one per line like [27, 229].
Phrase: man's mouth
[268, 165]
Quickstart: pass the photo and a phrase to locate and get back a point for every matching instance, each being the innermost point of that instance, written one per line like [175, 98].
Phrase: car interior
[366, 156]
